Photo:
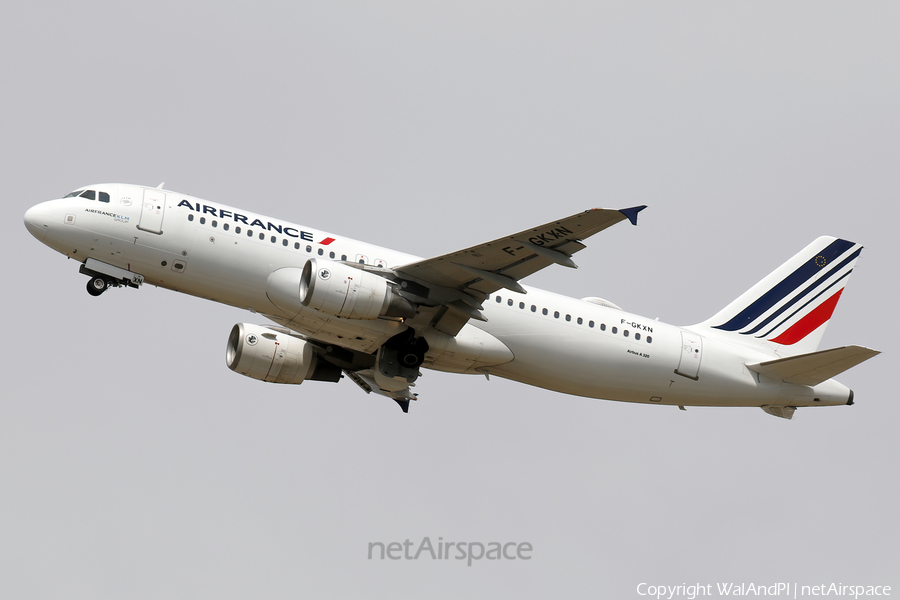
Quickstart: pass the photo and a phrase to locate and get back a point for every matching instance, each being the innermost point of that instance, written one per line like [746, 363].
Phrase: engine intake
[266, 354]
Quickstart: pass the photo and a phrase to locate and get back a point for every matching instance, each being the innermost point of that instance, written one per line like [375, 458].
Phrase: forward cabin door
[691, 352]
[152, 211]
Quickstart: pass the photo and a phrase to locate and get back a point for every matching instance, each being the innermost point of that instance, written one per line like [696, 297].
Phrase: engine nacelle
[340, 290]
[270, 355]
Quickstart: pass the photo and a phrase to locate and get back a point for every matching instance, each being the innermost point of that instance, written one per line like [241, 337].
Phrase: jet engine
[340, 290]
[270, 355]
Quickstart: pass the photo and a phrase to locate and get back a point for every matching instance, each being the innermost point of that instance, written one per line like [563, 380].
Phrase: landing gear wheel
[412, 352]
[411, 360]
[97, 285]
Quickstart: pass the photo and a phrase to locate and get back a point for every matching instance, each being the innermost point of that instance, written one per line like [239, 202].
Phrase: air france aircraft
[342, 307]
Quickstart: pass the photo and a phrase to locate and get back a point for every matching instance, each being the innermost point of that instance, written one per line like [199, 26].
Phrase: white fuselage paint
[550, 352]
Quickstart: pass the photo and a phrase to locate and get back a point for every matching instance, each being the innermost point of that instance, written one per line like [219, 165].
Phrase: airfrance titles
[221, 213]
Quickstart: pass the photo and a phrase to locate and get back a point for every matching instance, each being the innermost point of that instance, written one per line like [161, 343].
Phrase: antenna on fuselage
[159, 187]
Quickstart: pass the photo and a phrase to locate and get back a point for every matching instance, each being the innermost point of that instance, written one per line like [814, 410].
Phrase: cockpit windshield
[89, 194]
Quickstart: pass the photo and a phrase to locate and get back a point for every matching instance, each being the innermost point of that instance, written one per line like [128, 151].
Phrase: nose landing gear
[104, 276]
[97, 285]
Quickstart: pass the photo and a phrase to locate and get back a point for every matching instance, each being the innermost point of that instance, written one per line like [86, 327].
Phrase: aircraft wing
[460, 281]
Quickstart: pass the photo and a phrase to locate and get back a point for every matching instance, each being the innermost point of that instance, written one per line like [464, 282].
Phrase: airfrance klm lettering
[107, 214]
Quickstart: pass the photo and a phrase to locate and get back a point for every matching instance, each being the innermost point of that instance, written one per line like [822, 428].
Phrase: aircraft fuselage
[228, 255]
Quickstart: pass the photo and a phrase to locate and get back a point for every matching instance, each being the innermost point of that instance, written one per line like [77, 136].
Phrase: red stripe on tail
[810, 322]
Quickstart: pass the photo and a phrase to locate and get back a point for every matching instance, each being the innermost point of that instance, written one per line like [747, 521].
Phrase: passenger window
[499, 299]
[625, 332]
[568, 317]
[544, 311]
[225, 226]
[262, 235]
[637, 337]
[215, 223]
[615, 330]
[343, 257]
[89, 194]
[590, 323]
[203, 220]
[309, 248]
[649, 339]
[296, 245]
[555, 314]
[190, 216]
[510, 302]
[321, 252]
[284, 242]
[602, 326]
[521, 305]
[249, 233]
[533, 308]
[104, 197]
[237, 229]
[273, 239]
[331, 255]
[580, 320]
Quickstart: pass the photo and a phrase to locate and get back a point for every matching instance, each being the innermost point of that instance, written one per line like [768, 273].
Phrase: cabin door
[152, 211]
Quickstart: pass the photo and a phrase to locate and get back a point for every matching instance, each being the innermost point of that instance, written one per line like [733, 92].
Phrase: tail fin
[786, 313]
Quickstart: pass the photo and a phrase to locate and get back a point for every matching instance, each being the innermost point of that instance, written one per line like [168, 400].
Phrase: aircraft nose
[37, 220]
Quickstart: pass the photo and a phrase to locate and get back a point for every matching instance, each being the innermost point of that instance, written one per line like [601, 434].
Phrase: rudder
[786, 313]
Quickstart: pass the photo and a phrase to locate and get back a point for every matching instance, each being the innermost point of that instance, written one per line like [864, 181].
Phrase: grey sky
[134, 464]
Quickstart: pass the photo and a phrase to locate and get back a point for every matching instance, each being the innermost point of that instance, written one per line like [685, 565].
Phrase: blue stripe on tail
[786, 286]
[803, 294]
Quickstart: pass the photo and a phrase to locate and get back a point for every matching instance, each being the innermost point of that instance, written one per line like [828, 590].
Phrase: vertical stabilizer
[786, 313]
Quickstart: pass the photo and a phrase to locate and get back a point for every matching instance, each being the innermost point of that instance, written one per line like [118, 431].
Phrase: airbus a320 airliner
[341, 307]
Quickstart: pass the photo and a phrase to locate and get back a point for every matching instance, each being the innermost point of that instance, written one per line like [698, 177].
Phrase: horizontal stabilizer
[815, 367]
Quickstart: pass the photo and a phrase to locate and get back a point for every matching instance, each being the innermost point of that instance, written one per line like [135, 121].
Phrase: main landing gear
[407, 350]
[398, 362]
